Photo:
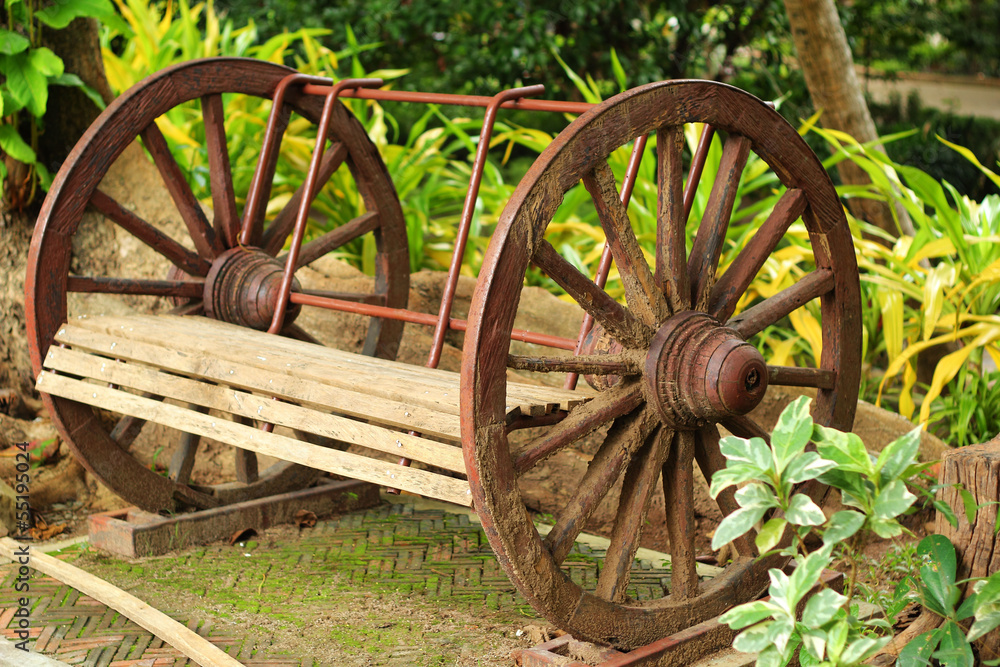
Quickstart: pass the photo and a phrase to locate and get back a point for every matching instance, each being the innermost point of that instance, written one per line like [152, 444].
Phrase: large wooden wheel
[683, 361]
[199, 266]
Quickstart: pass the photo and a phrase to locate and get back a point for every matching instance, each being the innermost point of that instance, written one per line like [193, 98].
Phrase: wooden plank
[280, 384]
[183, 639]
[349, 465]
[432, 388]
[262, 408]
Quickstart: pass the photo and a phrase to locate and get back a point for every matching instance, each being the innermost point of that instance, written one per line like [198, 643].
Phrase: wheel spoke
[184, 289]
[594, 364]
[671, 220]
[755, 319]
[641, 292]
[582, 420]
[227, 219]
[277, 232]
[205, 240]
[711, 234]
[335, 238]
[260, 187]
[743, 426]
[678, 491]
[182, 462]
[637, 490]
[697, 167]
[624, 437]
[127, 429]
[179, 256]
[737, 278]
[190, 308]
[791, 376]
[298, 333]
[615, 319]
[710, 460]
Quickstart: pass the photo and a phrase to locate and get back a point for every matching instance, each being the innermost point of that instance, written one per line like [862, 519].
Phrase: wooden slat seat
[129, 364]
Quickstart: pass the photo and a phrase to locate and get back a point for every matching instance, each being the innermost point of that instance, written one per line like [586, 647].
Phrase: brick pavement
[393, 550]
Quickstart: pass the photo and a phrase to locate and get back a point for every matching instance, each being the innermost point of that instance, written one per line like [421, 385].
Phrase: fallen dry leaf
[305, 519]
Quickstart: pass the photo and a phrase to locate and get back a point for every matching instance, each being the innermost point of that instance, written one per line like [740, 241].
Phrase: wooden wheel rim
[519, 235]
[51, 248]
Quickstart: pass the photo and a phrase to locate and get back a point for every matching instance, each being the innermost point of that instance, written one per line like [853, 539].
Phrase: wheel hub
[699, 371]
[242, 288]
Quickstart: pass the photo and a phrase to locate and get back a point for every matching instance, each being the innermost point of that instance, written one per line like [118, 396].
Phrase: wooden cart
[668, 365]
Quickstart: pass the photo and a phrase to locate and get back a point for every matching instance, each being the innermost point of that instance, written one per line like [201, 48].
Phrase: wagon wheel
[201, 268]
[684, 365]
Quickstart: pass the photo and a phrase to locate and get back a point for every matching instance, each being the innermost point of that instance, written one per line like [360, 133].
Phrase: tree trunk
[69, 113]
[976, 469]
[833, 84]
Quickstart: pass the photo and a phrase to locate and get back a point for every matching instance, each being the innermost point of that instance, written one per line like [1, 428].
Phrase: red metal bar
[468, 210]
[271, 142]
[553, 106]
[604, 266]
[427, 319]
[309, 192]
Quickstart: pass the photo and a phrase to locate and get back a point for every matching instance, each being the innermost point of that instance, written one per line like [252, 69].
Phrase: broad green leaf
[46, 62]
[937, 575]
[25, 83]
[885, 528]
[770, 534]
[984, 623]
[970, 505]
[836, 639]
[756, 495]
[12, 42]
[734, 474]
[822, 607]
[802, 511]
[771, 657]
[59, 14]
[892, 500]
[845, 449]
[736, 524]
[863, 648]
[754, 451]
[806, 466]
[747, 614]
[814, 642]
[917, 652]
[954, 650]
[842, 525]
[14, 146]
[898, 455]
[806, 575]
[792, 432]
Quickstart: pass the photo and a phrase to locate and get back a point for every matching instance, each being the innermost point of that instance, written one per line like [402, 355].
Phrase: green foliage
[937, 290]
[28, 69]
[943, 35]
[874, 489]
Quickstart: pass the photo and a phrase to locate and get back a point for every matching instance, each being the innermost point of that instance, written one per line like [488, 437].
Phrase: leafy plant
[28, 69]
[874, 489]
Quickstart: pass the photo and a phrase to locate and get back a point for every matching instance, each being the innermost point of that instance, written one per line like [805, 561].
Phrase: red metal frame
[516, 98]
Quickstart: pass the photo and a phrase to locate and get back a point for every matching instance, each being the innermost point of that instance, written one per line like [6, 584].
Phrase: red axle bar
[414, 317]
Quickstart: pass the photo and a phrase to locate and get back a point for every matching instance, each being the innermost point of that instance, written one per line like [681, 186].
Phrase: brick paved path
[392, 551]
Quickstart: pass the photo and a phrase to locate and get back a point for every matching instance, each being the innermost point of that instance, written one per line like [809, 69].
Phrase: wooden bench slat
[143, 378]
[433, 388]
[284, 383]
[247, 437]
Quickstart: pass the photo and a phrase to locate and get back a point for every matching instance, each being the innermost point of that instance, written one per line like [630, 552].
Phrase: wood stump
[977, 469]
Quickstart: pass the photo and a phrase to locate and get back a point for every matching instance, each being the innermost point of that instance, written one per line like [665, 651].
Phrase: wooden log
[976, 469]
[162, 626]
